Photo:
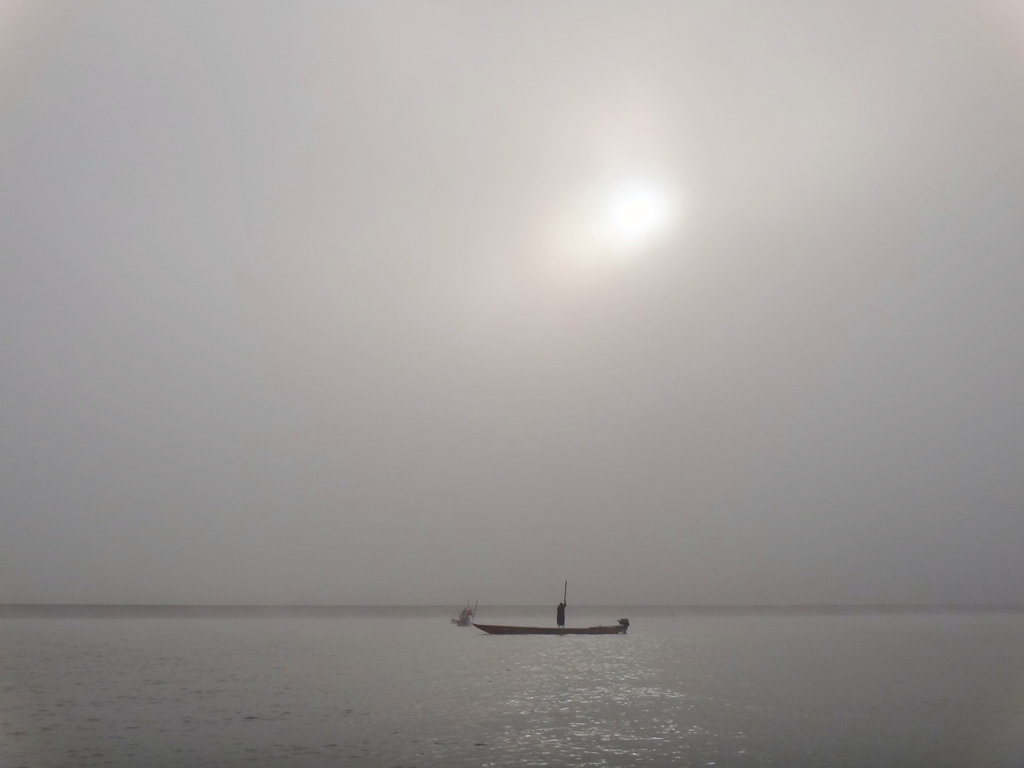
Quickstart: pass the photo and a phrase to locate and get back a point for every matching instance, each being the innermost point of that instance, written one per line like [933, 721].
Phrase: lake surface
[413, 690]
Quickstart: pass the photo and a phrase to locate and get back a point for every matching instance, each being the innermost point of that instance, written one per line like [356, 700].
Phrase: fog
[323, 302]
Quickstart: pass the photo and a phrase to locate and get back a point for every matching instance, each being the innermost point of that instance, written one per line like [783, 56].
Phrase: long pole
[566, 591]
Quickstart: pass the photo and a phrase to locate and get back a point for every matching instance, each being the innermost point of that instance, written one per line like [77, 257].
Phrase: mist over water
[710, 303]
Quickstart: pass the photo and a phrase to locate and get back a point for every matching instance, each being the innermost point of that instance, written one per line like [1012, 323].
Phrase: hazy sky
[684, 302]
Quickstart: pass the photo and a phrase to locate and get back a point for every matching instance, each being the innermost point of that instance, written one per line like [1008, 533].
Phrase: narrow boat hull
[499, 629]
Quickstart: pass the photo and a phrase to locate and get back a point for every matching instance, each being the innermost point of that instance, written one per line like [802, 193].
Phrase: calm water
[858, 690]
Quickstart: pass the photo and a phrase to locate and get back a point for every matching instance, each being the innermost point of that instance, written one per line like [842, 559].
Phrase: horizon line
[687, 606]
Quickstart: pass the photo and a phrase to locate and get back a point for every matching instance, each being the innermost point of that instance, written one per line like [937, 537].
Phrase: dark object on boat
[465, 616]
[499, 629]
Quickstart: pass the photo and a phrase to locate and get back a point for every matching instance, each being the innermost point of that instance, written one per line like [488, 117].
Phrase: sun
[637, 212]
[614, 219]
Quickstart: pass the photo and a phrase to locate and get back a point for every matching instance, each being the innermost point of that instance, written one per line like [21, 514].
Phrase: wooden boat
[500, 629]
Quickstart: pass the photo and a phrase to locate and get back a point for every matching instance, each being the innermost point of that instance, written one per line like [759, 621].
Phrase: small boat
[465, 616]
[499, 629]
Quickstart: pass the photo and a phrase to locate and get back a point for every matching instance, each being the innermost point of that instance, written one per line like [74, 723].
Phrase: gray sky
[325, 302]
